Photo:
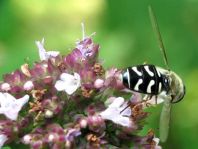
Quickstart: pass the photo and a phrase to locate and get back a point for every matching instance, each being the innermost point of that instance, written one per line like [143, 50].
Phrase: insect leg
[128, 105]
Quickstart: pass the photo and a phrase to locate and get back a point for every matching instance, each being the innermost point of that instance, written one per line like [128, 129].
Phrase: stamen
[83, 30]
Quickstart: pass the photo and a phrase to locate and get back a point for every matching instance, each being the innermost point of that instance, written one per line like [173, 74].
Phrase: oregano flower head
[71, 101]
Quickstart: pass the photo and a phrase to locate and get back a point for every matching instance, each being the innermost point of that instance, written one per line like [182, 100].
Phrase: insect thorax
[146, 79]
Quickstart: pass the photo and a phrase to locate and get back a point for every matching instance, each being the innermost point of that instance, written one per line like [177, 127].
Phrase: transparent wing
[158, 34]
[165, 120]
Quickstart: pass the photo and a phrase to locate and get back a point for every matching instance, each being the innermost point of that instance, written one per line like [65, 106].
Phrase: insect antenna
[159, 37]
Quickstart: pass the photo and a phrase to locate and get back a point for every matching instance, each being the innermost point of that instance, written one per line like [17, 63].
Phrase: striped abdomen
[145, 79]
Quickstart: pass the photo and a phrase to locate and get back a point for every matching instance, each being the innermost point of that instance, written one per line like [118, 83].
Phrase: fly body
[147, 79]
[155, 81]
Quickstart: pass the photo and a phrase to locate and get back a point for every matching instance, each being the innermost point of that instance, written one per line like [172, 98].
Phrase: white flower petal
[117, 102]
[13, 110]
[156, 140]
[3, 139]
[126, 111]
[116, 114]
[52, 53]
[109, 113]
[23, 100]
[42, 51]
[6, 99]
[11, 106]
[124, 121]
[76, 75]
[77, 78]
[43, 41]
[60, 86]
[43, 54]
[66, 77]
[71, 89]
[11, 114]
[69, 83]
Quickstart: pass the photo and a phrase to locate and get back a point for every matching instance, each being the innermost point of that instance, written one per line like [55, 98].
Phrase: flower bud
[83, 123]
[28, 85]
[5, 87]
[51, 138]
[98, 83]
[49, 114]
[27, 139]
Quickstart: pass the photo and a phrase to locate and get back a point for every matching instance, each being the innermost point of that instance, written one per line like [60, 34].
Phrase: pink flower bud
[98, 83]
[28, 86]
[5, 87]
[83, 123]
[27, 139]
[51, 138]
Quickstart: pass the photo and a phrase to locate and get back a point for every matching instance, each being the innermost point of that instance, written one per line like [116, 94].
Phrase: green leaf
[6, 147]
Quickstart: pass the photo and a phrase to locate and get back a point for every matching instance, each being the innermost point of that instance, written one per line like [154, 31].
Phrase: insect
[156, 81]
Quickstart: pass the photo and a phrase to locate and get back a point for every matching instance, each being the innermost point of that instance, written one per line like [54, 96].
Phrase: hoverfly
[156, 81]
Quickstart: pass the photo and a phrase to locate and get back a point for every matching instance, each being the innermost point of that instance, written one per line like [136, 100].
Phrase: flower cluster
[71, 101]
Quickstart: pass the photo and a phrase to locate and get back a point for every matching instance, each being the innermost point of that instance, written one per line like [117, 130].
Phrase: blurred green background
[126, 38]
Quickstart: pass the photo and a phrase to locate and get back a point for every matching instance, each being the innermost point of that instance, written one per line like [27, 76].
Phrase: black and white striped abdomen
[145, 79]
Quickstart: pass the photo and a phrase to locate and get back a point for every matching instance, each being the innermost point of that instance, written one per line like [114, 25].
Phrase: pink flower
[71, 134]
[87, 48]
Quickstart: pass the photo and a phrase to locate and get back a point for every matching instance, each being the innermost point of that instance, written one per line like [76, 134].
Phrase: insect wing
[158, 34]
[165, 120]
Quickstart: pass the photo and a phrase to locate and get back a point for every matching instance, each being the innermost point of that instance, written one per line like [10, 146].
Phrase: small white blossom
[42, 52]
[5, 87]
[51, 137]
[69, 83]
[28, 85]
[83, 123]
[99, 83]
[3, 139]
[157, 140]
[115, 112]
[10, 106]
[49, 114]
[27, 139]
